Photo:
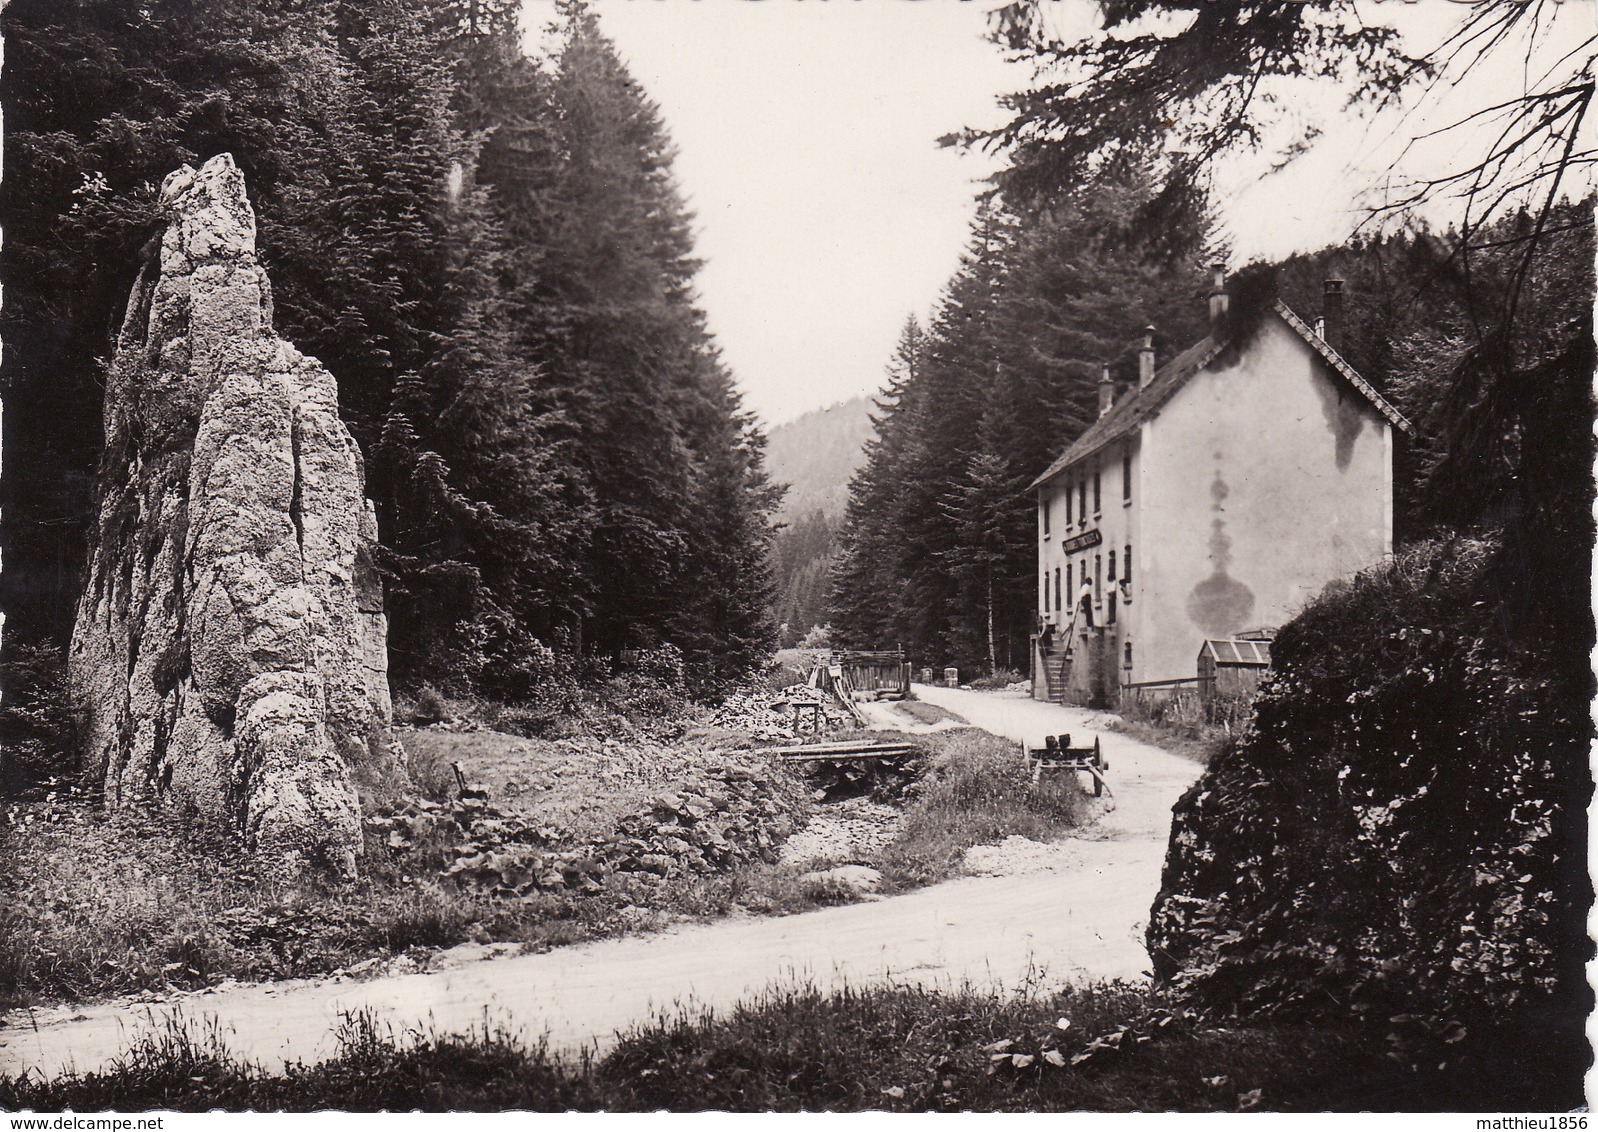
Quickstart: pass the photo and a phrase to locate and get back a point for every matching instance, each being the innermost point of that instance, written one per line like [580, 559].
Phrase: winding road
[1082, 921]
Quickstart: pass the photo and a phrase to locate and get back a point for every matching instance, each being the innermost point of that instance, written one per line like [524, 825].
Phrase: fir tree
[940, 549]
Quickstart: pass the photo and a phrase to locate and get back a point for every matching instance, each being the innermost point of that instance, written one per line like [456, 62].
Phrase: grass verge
[975, 790]
[1198, 742]
[923, 712]
[1109, 1048]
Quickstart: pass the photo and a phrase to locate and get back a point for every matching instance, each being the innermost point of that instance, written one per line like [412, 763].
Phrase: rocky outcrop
[1401, 833]
[229, 651]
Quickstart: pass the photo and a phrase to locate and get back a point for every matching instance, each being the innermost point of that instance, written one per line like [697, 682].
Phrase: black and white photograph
[796, 556]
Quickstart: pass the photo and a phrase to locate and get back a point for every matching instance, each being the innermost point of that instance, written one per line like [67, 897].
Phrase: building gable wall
[1262, 480]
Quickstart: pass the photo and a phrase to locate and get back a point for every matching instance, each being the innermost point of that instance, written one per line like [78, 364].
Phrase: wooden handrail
[1166, 683]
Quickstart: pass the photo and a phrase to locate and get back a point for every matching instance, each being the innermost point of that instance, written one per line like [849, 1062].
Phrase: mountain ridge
[816, 455]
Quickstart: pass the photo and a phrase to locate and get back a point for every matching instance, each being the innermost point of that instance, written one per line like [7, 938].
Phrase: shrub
[431, 706]
[1401, 831]
[35, 718]
[819, 637]
[998, 681]
[1185, 724]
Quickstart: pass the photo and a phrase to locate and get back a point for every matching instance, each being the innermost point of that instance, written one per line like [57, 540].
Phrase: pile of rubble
[848, 831]
[770, 716]
[727, 817]
[595, 768]
[721, 816]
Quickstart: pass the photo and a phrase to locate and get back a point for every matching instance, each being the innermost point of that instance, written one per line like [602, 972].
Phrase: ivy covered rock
[1402, 831]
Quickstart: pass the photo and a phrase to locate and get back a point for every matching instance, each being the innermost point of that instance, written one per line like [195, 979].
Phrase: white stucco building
[1218, 496]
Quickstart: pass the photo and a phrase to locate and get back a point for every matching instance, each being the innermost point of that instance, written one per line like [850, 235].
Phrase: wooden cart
[1058, 754]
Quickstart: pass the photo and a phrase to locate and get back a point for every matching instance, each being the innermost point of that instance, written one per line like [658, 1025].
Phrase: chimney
[1220, 302]
[1106, 390]
[1332, 314]
[1145, 359]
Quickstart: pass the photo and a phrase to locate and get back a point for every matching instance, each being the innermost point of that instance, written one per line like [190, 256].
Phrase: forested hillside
[938, 550]
[938, 546]
[487, 250]
[815, 456]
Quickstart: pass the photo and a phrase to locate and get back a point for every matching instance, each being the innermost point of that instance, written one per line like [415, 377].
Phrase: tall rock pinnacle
[230, 650]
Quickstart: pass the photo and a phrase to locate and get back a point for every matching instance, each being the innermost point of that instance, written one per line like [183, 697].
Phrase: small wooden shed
[1232, 668]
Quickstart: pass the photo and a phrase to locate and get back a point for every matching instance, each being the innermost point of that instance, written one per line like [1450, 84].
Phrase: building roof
[1141, 404]
[1234, 651]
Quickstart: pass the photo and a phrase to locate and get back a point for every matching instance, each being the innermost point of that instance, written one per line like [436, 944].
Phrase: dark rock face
[230, 646]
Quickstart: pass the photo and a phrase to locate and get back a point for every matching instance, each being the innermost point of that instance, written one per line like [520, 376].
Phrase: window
[1128, 649]
[1082, 502]
[1126, 477]
[1058, 604]
[1045, 591]
[1112, 568]
[1098, 577]
[1109, 614]
[1068, 581]
[1098, 505]
[1126, 567]
[1043, 505]
[1068, 505]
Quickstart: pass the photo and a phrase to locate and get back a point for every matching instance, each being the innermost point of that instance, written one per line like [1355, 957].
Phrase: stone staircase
[1054, 675]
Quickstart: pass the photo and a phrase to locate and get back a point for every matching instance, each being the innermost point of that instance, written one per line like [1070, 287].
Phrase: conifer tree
[486, 519]
[674, 474]
[722, 622]
[870, 559]
[1045, 296]
[488, 253]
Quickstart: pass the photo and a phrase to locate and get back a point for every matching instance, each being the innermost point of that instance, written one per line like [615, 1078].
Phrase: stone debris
[718, 817]
[769, 715]
[844, 831]
[1016, 856]
[229, 652]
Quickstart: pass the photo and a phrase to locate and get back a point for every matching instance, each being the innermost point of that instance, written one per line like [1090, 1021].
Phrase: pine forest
[490, 253]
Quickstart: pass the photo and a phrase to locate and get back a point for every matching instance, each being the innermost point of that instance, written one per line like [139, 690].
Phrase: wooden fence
[1193, 700]
[1179, 701]
[884, 674]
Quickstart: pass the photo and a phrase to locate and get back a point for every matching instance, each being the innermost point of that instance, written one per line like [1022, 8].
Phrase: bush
[819, 637]
[430, 707]
[1402, 831]
[1185, 724]
[35, 718]
[998, 681]
[647, 697]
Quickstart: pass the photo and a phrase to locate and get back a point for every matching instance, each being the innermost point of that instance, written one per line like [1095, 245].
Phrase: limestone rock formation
[230, 651]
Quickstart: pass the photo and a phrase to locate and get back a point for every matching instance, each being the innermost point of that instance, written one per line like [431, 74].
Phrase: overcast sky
[825, 210]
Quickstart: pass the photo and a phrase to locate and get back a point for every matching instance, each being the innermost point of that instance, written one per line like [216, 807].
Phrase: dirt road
[1082, 921]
